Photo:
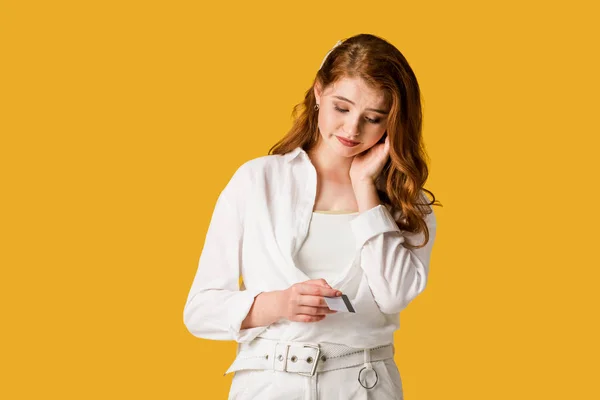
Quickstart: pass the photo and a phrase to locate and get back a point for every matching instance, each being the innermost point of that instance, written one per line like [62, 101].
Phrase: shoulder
[258, 166]
[252, 171]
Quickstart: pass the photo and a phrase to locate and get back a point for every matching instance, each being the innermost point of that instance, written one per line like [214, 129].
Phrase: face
[351, 110]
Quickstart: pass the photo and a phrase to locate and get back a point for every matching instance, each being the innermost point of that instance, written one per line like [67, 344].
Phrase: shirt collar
[290, 156]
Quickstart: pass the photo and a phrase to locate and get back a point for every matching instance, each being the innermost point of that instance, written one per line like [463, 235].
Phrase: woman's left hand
[368, 165]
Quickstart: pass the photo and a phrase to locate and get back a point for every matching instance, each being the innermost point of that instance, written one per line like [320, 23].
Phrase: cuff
[371, 223]
[240, 313]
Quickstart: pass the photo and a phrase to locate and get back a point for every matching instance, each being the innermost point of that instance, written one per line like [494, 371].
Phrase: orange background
[121, 122]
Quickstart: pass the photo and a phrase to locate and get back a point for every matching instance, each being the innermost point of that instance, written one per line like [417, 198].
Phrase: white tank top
[329, 246]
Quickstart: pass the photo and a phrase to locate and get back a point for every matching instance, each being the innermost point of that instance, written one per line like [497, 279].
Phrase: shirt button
[280, 357]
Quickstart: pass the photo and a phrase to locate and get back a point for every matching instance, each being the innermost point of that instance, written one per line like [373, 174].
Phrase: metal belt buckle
[317, 358]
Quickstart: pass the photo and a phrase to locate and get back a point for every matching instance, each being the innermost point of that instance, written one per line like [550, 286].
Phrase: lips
[347, 142]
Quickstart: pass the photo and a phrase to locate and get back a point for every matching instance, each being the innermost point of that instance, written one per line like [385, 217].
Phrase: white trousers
[264, 375]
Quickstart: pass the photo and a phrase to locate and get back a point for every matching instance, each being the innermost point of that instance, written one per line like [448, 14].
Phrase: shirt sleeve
[395, 274]
[216, 307]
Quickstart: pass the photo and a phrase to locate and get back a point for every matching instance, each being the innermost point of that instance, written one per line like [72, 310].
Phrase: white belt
[305, 358]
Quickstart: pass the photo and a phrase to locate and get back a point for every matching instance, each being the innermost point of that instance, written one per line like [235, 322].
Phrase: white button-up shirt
[260, 221]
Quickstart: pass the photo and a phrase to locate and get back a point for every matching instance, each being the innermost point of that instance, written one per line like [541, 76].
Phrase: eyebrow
[369, 109]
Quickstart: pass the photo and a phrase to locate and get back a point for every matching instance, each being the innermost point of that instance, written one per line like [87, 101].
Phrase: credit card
[341, 303]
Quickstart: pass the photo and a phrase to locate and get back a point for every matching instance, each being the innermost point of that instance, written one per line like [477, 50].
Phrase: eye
[372, 121]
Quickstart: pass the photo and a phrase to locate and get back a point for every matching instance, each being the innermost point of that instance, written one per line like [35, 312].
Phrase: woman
[337, 207]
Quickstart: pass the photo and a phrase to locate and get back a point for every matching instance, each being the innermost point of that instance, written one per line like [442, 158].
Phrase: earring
[316, 107]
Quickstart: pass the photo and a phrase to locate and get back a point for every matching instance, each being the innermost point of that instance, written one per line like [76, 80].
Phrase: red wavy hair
[383, 67]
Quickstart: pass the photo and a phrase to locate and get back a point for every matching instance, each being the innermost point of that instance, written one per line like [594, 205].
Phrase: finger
[312, 301]
[307, 318]
[319, 282]
[315, 290]
[313, 310]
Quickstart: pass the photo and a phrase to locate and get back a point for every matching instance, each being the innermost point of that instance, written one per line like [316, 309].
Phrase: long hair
[383, 67]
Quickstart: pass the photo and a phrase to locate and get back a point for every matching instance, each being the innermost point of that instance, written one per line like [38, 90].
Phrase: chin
[348, 151]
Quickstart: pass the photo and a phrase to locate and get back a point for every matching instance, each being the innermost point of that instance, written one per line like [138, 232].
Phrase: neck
[328, 163]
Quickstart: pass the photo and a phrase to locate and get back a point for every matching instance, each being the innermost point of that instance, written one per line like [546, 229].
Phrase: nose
[351, 128]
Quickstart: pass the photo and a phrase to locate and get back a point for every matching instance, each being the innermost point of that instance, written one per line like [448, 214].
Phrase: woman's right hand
[304, 302]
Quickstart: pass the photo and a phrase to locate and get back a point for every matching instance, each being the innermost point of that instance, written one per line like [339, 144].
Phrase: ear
[317, 91]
